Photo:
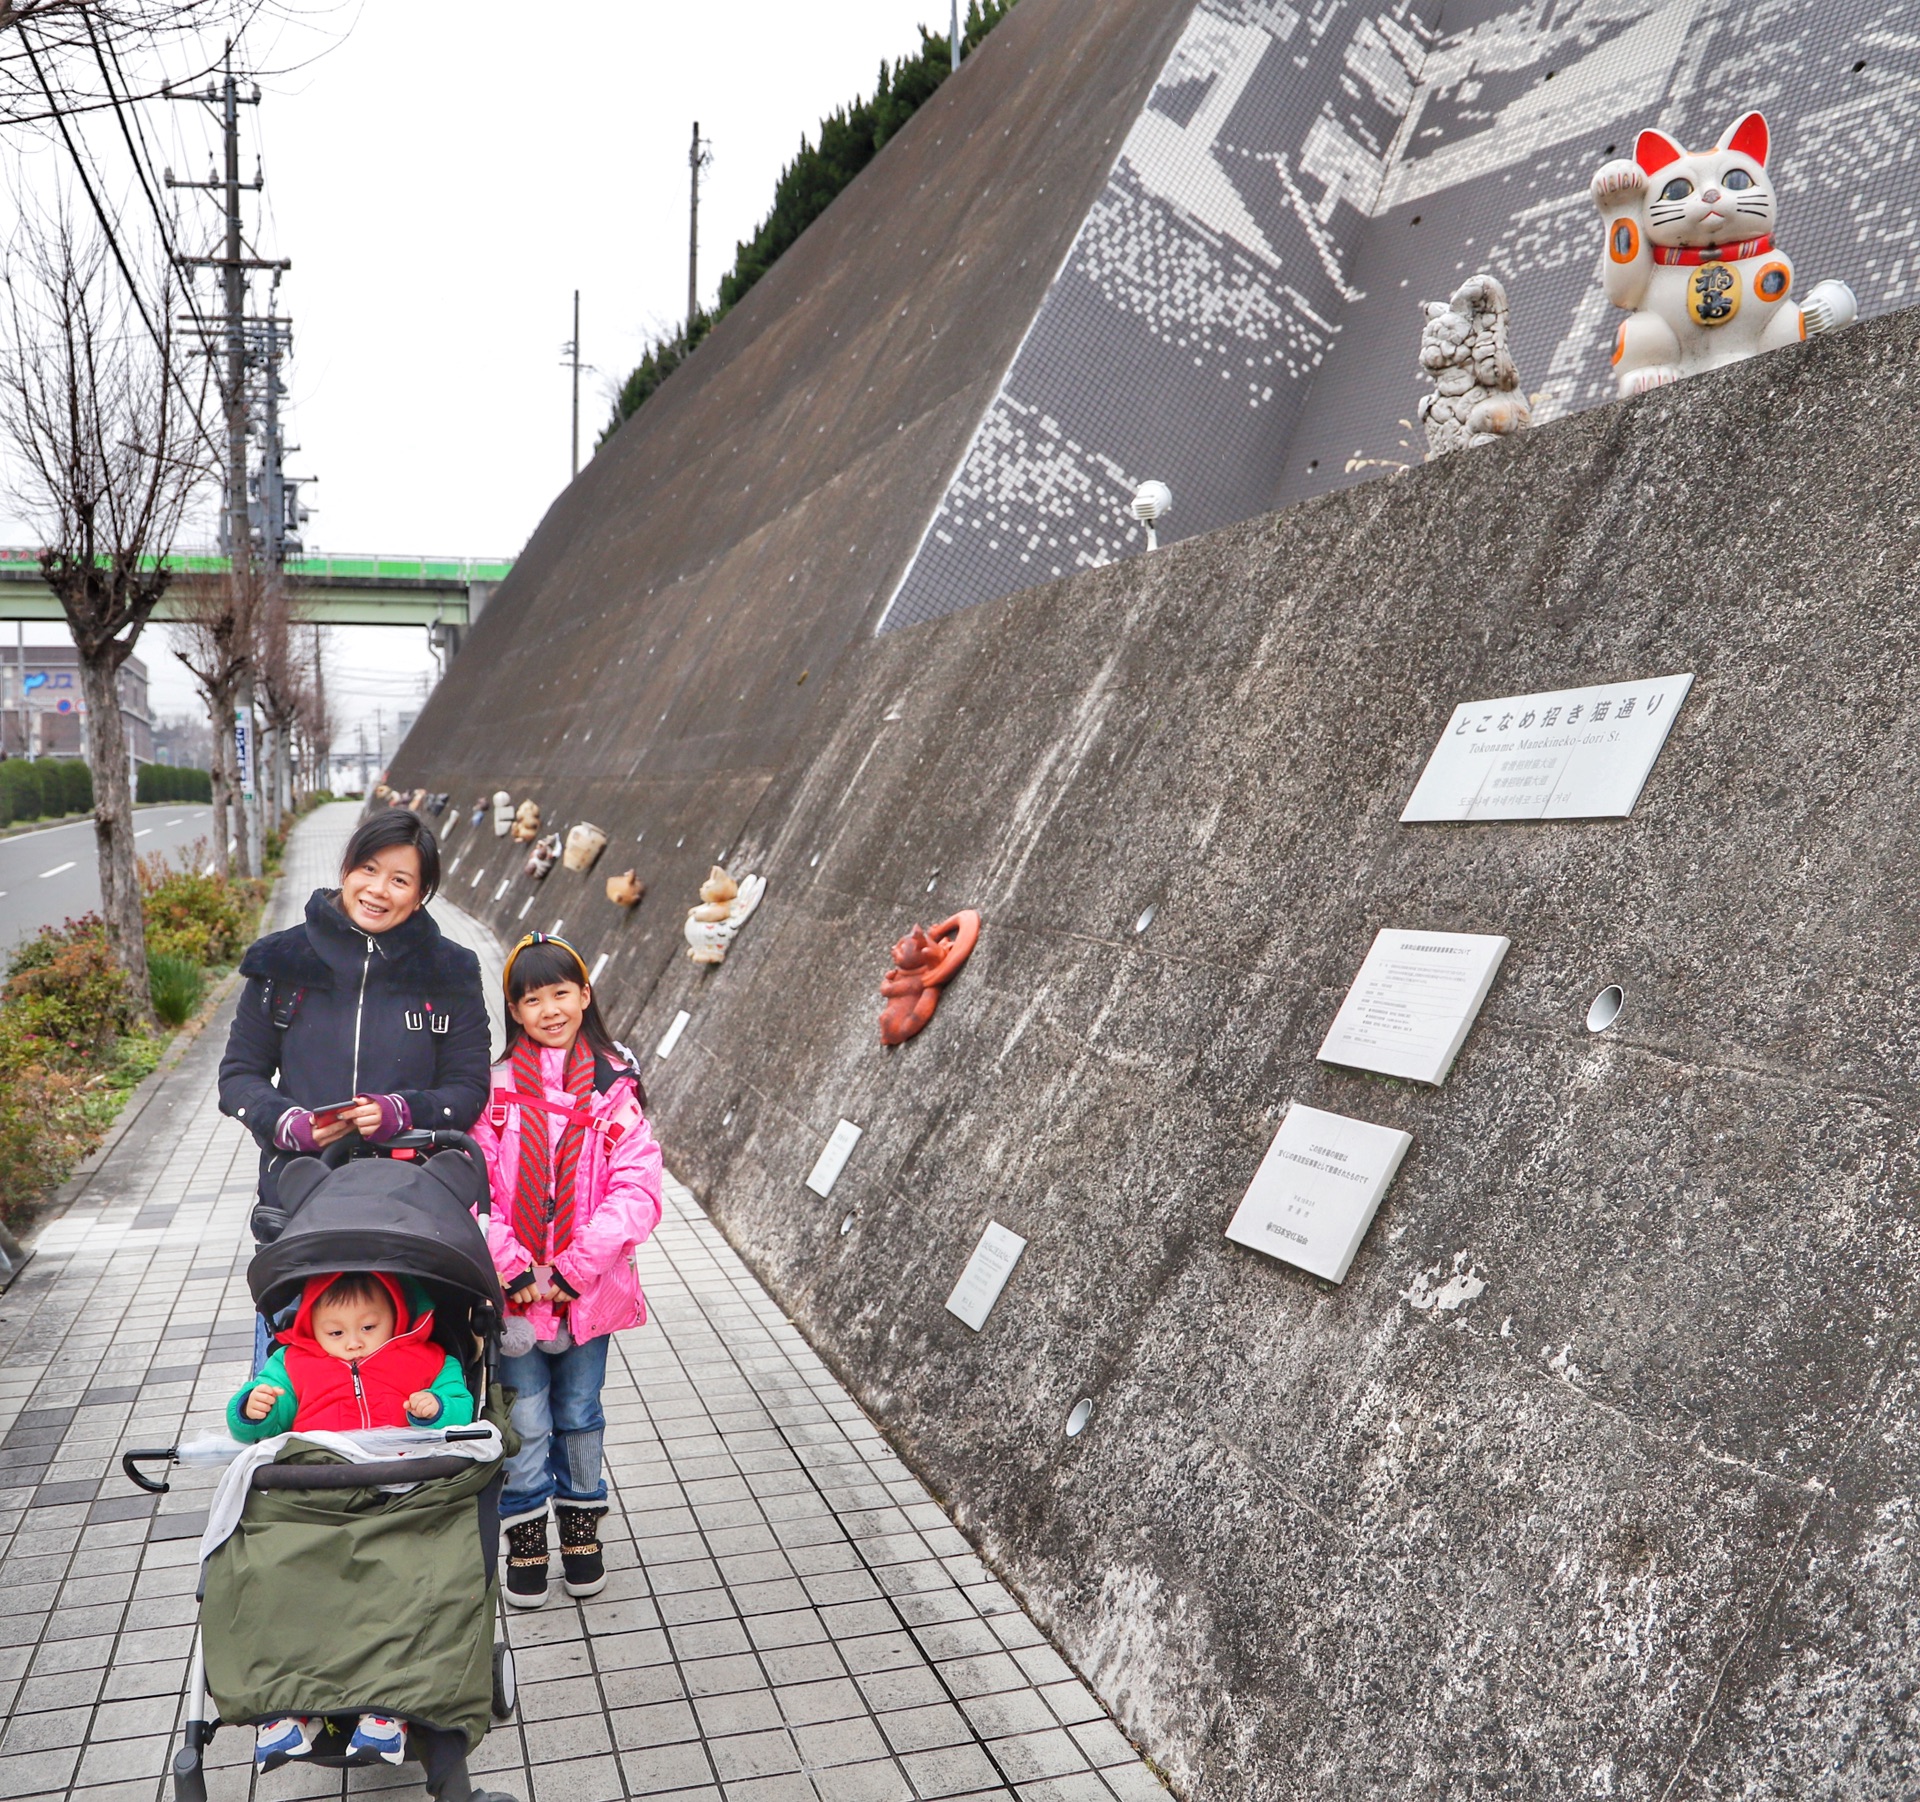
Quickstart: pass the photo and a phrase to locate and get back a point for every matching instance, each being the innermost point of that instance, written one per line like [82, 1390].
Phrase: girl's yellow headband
[542, 938]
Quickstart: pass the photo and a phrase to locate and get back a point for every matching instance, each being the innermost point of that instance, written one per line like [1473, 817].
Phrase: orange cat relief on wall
[924, 962]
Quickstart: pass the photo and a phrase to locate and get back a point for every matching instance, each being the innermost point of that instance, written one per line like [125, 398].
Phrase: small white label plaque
[833, 1158]
[1314, 1195]
[1579, 754]
[671, 1037]
[985, 1275]
[1410, 1008]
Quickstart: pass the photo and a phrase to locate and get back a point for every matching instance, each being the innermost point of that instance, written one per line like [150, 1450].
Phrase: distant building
[185, 741]
[42, 713]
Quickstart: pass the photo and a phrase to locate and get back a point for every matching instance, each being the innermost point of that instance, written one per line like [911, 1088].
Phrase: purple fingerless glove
[395, 1117]
[295, 1132]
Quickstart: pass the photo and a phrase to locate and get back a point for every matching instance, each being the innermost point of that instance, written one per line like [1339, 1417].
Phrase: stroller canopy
[412, 1218]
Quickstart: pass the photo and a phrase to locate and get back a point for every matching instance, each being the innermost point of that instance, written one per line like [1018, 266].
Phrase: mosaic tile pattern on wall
[1237, 316]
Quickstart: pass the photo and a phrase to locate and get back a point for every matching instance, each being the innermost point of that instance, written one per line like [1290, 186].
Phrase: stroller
[335, 1596]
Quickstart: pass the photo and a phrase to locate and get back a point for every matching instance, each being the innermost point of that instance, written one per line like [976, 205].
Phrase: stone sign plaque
[1410, 1008]
[985, 1275]
[1314, 1195]
[1579, 754]
[833, 1158]
[671, 1037]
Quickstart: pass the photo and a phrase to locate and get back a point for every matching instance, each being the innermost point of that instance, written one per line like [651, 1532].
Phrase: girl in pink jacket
[575, 1175]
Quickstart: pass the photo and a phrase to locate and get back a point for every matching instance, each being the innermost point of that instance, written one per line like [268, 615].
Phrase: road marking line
[57, 869]
[143, 832]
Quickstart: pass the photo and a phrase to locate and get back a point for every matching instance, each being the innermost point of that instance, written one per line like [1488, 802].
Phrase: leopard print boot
[527, 1563]
[580, 1556]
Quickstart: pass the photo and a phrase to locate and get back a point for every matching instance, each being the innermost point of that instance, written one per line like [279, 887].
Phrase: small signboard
[833, 1158]
[243, 751]
[985, 1275]
[1411, 1006]
[671, 1037]
[1577, 754]
[1314, 1195]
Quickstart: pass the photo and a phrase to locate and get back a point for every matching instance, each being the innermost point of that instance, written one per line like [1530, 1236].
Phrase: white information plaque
[1413, 1002]
[671, 1037]
[1580, 754]
[1313, 1197]
[833, 1158]
[985, 1275]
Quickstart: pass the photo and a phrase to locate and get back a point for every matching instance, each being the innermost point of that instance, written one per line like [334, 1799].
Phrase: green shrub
[44, 1129]
[177, 985]
[76, 779]
[166, 782]
[208, 919]
[65, 997]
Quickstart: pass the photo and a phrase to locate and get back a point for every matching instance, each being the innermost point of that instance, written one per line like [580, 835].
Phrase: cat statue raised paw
[1690, 255]
[1476, 394]
[725, 906]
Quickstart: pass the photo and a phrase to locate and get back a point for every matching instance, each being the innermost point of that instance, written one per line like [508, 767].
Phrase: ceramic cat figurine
[1690, 254]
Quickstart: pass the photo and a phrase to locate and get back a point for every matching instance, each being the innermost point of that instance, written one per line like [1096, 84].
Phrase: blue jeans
[557, 1413]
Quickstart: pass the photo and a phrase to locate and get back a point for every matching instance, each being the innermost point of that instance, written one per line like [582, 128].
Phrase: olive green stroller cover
[354, 1601]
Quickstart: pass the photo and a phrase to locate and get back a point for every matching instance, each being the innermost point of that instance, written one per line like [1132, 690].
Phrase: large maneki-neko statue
[1690, 254]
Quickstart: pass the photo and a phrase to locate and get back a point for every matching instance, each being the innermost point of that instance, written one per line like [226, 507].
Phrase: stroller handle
[411, 1144]
[165, 1454]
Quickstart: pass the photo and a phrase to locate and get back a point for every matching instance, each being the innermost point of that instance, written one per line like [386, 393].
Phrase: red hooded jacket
[340, 1394]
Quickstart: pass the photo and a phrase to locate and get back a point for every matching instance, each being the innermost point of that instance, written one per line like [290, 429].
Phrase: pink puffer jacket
[617, 1199]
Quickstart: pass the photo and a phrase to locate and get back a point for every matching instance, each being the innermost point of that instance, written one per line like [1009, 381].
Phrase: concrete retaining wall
[1637, 1520]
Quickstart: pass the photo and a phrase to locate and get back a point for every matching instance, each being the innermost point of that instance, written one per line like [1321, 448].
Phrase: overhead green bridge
[330, 591]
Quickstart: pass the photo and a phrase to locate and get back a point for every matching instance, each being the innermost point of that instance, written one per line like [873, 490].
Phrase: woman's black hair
[540, 966]
[387, 829]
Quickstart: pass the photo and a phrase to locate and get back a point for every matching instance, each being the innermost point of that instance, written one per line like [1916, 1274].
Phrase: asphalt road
[50, 873]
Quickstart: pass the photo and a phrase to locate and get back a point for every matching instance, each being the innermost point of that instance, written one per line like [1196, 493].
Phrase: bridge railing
[336, 567]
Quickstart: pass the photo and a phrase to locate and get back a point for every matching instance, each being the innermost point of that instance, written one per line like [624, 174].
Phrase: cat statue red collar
[1689, 254]
[924, 962]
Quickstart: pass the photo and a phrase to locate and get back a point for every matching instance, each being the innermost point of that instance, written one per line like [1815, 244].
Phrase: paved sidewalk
[790, 1617]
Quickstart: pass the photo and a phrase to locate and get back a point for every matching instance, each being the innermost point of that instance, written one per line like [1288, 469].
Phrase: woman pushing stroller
[575, 1178]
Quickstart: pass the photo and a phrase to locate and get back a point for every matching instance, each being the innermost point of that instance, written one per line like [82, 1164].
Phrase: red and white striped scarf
[543, 1184]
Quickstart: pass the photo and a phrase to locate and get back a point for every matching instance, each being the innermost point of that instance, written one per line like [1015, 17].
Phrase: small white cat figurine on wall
[1690, 254]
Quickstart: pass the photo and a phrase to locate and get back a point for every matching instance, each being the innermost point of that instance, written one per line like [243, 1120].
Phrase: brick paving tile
[789, 1616]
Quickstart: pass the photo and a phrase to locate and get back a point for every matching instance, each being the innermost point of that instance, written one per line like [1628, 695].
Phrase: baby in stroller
[349, 1572]
[358, 1354]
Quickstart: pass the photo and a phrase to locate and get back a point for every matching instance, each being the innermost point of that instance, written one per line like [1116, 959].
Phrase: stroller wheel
[506, 1691]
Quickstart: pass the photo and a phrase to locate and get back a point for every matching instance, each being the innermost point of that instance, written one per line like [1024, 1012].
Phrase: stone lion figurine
[1476, 394]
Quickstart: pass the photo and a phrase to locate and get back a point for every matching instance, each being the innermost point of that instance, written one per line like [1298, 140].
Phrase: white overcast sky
[443, 176]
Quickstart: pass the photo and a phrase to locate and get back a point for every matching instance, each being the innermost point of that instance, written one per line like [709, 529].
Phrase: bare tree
[110, 449]
[317, 723]
[215, 633]
[69, 56]
[281, 691]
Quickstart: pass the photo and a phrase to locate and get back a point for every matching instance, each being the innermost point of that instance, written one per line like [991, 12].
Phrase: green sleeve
[279, 1417]
[456, 1399]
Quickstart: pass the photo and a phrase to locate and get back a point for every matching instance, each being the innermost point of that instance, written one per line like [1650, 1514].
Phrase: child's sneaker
[378, 1736]
[527, 1559]
[291, 1736]
[580, 1556]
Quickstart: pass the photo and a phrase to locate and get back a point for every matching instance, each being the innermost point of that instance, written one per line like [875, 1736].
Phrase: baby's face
[353, 1329]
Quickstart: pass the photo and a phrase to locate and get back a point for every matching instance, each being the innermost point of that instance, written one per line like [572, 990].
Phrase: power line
[162, 344]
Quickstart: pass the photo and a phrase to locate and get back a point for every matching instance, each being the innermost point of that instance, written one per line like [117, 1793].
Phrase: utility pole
[953, 39]
[698, 157]
[225, 100]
